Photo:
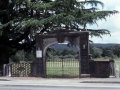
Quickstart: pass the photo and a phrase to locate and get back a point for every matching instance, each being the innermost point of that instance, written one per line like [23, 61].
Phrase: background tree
[108, 52]
[22, 56]
[20, 20]
[116, 51]
[95, 51]
[16, 58]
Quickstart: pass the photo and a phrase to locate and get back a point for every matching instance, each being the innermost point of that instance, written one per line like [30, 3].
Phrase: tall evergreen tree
[21, 19]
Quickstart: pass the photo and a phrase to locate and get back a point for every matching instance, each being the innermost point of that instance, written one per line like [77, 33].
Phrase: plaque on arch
[38, 53]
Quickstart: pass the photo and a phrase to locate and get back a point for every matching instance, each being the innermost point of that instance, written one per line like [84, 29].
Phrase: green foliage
[16, 58]
[96, 52]
[106, 52]
[22, 56]
[65, 53]
[116, 51]
[20, 20]
[29, 57]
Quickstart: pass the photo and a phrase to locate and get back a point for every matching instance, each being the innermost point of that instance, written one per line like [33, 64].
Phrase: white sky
[112, 23]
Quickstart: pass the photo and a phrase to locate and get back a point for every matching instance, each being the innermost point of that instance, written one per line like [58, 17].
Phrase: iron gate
[64, 68]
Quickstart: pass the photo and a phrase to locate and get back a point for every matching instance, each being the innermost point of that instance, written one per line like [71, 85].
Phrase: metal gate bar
[62, 68]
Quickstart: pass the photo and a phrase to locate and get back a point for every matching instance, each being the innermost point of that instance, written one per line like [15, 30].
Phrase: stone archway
[79, 38]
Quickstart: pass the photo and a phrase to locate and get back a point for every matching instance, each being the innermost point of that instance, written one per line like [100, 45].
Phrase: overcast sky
[112, 23]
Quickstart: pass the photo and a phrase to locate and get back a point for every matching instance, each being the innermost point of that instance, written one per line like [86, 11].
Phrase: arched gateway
[43, 41]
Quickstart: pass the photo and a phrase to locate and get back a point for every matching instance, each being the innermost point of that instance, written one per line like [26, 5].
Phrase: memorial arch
[78, 38]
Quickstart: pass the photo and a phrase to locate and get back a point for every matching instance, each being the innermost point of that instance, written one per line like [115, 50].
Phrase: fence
[54, 67]
[62, 68]
[17, 69]
[102, 69]
[96, 68]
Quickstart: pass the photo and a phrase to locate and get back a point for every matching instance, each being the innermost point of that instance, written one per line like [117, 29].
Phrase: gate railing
[62, 68]
[96, 68]
[17, 69]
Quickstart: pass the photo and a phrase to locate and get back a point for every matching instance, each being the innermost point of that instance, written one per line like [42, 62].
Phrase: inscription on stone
[39, 54]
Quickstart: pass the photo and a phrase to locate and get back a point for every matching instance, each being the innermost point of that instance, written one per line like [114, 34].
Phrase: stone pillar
[117, 71]
[37, 65]
[84, 54]
[112, 70]
[91, 66]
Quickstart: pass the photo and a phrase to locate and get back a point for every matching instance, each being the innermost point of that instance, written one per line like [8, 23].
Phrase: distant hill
[105, 45]
[64, 46]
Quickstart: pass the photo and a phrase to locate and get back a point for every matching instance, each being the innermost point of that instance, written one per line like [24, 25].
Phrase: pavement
[55, 81]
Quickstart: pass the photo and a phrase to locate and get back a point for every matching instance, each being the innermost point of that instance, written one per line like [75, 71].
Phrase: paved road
[40, 87]
[10, 83]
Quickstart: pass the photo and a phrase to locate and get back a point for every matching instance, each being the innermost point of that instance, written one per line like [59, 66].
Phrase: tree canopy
[20, 20]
